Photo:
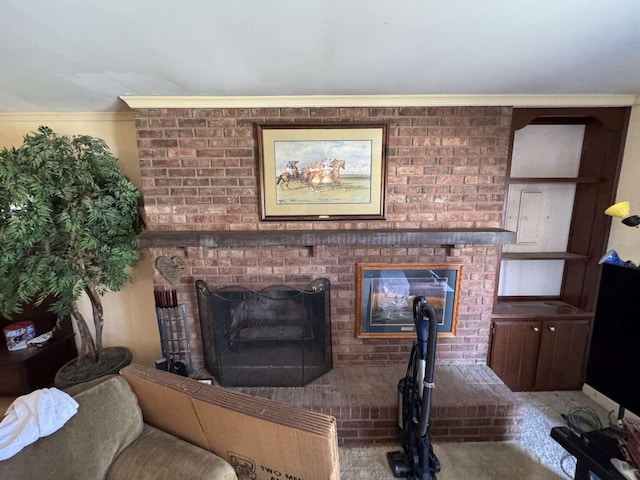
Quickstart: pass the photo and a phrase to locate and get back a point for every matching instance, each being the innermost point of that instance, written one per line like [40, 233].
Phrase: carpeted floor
[460, 461]
[536, 456]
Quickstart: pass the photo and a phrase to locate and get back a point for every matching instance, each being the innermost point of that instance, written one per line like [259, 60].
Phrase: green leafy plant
[68, 224]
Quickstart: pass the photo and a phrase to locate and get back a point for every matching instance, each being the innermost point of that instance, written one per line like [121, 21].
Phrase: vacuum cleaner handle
[422, 325]
[427, 331]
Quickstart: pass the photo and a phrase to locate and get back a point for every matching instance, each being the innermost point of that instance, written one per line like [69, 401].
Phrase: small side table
[23, 371]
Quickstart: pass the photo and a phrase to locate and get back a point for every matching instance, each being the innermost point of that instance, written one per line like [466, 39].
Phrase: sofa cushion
[108, 420]
[156, 455]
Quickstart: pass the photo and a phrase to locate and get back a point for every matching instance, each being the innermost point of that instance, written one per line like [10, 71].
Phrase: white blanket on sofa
[29, 417]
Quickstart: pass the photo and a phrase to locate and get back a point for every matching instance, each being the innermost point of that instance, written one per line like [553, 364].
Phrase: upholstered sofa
[146, 424]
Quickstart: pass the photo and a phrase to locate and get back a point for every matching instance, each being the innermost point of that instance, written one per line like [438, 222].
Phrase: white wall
[626, 240]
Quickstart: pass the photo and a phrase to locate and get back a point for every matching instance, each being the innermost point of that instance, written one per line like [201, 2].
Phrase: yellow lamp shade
[620, 209]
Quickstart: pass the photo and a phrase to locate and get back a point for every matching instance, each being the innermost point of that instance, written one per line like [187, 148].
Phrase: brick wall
[446, 169]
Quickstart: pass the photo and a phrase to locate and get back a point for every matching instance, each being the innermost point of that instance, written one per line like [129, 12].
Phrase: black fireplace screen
[279, 336]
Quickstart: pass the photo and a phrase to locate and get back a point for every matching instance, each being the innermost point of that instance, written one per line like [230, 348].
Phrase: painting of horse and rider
[325, 171]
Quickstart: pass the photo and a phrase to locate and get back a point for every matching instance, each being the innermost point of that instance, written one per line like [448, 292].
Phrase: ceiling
[81, 55]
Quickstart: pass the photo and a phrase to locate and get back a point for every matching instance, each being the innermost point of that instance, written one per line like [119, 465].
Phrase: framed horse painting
[322, 172]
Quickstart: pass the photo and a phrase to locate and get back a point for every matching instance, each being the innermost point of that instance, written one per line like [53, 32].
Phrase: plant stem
[98, 316]
[87, 347]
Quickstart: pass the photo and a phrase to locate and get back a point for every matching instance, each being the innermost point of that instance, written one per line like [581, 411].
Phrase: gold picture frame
[322, 172]
[385, 293]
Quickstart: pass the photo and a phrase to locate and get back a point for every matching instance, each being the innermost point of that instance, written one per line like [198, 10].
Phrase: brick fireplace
[446, 171]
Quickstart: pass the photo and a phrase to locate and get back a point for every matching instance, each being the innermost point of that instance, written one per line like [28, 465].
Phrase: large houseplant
[68, 224]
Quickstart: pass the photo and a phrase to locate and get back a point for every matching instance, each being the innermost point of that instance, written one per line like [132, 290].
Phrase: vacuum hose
[427, 330]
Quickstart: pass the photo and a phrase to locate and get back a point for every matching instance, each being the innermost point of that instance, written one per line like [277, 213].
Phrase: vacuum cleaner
[417, 461]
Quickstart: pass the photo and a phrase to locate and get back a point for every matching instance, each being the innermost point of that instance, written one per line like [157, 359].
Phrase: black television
[614, 355]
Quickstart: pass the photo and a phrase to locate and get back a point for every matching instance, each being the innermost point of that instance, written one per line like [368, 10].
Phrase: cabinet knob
[552, 328]
[535, 329]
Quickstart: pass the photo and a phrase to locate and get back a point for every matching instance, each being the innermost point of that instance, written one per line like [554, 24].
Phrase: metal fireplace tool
[174, 334]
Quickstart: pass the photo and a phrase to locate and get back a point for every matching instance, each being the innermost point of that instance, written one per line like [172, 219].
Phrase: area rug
[460, 461]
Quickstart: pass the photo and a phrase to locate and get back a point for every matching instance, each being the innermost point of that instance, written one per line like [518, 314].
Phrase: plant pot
[112, 359]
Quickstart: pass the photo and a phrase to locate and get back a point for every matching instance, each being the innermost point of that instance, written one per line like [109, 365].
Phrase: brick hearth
[470, 403]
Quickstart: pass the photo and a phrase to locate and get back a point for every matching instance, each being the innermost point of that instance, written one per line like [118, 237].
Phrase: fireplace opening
[279, 336]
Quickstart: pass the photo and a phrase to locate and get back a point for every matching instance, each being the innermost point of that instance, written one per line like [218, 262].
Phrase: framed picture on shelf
[385, 293]
[322, 172]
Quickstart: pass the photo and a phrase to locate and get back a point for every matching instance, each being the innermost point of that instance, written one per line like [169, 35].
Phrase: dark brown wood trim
[537, 309]
[543, 256]
[613, 118]
[554, 180]
[303, 238]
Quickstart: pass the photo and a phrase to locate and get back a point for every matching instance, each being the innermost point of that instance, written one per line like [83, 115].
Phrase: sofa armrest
[156, 455]
[107, 422]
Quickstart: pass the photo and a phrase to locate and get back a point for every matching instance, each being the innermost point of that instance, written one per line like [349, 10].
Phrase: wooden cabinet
[23, 371]
[514, 352]
[562, 354]
[564, 167]
[530, 353]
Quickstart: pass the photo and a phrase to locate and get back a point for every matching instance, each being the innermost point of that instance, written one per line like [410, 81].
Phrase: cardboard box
[273, 440]
[165, 401]
[260, 438]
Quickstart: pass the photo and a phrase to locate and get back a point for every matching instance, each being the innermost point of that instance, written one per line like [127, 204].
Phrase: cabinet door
[561, 361]
[514, 352]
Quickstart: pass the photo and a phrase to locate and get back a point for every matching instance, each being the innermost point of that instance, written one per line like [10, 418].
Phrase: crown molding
[596, 100]
[31, 117]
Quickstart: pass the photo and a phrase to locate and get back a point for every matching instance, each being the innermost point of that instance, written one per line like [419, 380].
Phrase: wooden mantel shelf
[309, 238]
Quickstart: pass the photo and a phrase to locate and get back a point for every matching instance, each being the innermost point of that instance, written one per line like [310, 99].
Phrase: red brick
[432, 152]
